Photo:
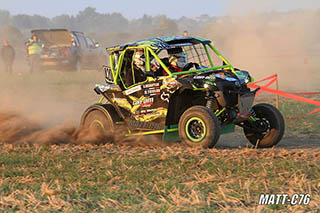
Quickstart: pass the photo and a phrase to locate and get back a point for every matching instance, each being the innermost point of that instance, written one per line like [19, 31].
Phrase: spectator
[185, 33]
[34, 52]
[8, 55]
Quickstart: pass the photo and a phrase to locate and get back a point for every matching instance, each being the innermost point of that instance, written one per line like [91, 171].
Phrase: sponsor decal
[172, 84]
[145, 102]
[165, 97]
[132, 90]
[145, 125]
[204, 77]
[153, 110]
[152, 91]
[150, 111]
[157, 84]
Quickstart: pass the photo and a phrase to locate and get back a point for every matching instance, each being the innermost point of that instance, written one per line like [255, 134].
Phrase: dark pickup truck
[69, 50]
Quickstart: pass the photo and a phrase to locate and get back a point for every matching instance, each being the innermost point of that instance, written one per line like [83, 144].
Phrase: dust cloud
[16, 129]
[43, 108]
[267, 43]
[19, 130]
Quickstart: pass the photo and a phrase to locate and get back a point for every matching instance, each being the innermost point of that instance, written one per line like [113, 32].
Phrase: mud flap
[245, 103]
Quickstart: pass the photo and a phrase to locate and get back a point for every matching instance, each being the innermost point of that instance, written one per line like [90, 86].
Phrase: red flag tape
[307, 93]
[265, 79]
[287, 95]
[301, 116]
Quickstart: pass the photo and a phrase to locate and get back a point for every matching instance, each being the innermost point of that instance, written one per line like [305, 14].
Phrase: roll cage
[119, 59]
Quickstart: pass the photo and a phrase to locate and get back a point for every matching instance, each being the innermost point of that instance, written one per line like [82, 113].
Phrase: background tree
[64, 21]
[4, 17]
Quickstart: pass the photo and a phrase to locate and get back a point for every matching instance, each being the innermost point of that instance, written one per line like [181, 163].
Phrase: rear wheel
[268, 130]
[199, 127]
[98, 124]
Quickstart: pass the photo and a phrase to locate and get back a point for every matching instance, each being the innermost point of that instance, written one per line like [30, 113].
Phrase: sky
[137, 8]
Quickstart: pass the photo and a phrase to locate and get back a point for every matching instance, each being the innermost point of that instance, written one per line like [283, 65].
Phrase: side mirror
[108, 75]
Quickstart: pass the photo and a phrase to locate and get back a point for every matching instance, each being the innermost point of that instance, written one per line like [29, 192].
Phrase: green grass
[86, 178]
[306, 126]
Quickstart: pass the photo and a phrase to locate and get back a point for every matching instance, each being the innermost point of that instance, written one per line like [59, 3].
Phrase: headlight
[249, 79]
[209, 85]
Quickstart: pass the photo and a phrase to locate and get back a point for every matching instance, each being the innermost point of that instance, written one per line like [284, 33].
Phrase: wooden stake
[277, 96]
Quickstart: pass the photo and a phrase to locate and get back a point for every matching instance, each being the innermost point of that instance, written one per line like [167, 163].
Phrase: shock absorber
[253, 113]
[210, 100]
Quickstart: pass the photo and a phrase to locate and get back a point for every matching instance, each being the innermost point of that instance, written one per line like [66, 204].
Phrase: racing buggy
[180, 89]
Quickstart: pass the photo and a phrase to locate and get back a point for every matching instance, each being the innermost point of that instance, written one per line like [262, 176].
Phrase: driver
[176, 62]
[140, 65]
[139, 60]
[177, 59]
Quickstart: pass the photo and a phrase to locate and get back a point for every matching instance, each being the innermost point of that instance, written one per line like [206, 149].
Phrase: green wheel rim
[196, 129]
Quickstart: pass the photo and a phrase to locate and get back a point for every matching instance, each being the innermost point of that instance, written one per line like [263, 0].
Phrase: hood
[54, 37]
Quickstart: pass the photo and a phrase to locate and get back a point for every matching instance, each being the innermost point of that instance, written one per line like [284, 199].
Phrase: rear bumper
[54, 62]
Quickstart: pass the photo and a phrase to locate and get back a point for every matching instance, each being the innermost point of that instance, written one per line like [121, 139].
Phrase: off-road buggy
[194, 104]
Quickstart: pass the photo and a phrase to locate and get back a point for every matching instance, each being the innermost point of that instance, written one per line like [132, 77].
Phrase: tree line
[99, 25]
[267, 31]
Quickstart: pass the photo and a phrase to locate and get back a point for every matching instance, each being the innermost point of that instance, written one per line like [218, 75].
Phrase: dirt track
[17, 129]
[237, 140]
[233, 141]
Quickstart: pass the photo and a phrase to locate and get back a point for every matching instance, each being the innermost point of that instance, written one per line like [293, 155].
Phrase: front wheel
[199, 127]
[98, 124]
[268, 129]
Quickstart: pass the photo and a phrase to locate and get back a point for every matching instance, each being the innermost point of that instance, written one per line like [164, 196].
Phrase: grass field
[84, 178]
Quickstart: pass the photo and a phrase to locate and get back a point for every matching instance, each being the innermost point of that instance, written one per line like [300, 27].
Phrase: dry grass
[100, 178]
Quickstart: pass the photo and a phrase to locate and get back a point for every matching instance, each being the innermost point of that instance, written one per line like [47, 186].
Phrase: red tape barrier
[307, 93]
[301, 116]
[293, 96]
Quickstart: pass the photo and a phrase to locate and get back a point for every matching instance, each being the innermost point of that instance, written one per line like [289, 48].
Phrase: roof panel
[165, 42]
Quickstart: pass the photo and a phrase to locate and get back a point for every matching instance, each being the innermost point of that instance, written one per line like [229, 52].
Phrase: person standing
[34, 52]
[8, 55]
